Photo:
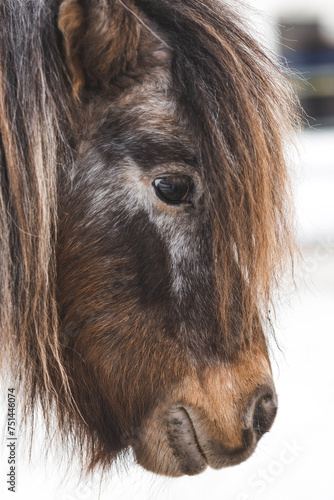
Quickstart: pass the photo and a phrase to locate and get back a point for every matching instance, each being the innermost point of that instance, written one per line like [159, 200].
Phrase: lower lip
[183, 440]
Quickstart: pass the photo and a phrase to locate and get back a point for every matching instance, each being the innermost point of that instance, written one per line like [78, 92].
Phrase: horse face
[139, 278]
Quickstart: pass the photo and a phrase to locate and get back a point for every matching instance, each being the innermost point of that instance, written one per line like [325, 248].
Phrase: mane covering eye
[174, 189]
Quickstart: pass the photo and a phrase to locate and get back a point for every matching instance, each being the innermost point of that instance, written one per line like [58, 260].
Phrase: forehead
[141, 118]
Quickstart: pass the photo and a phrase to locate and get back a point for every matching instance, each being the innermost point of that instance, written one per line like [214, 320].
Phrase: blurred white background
[295, 460]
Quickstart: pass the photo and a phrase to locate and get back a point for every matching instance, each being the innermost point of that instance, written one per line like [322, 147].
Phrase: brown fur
[88, 320]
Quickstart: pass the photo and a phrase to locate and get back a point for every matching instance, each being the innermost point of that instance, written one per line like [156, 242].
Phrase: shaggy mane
[242, 111]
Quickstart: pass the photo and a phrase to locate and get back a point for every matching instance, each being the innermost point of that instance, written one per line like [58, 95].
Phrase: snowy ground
[295, 460]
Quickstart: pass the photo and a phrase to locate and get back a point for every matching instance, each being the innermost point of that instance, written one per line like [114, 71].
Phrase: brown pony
[145, 218]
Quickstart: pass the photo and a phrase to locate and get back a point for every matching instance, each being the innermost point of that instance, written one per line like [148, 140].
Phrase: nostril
[264, 414]
[261, 410]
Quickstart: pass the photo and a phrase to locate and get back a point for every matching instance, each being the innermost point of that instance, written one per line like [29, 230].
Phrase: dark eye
[174, 189]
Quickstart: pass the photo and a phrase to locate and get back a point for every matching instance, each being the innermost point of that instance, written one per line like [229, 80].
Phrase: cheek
[121, 255]
[111, 272]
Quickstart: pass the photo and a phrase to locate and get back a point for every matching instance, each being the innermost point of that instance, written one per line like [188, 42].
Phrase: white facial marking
[177, 228]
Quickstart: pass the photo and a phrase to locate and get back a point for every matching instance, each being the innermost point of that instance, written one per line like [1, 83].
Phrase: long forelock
[241, 111]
